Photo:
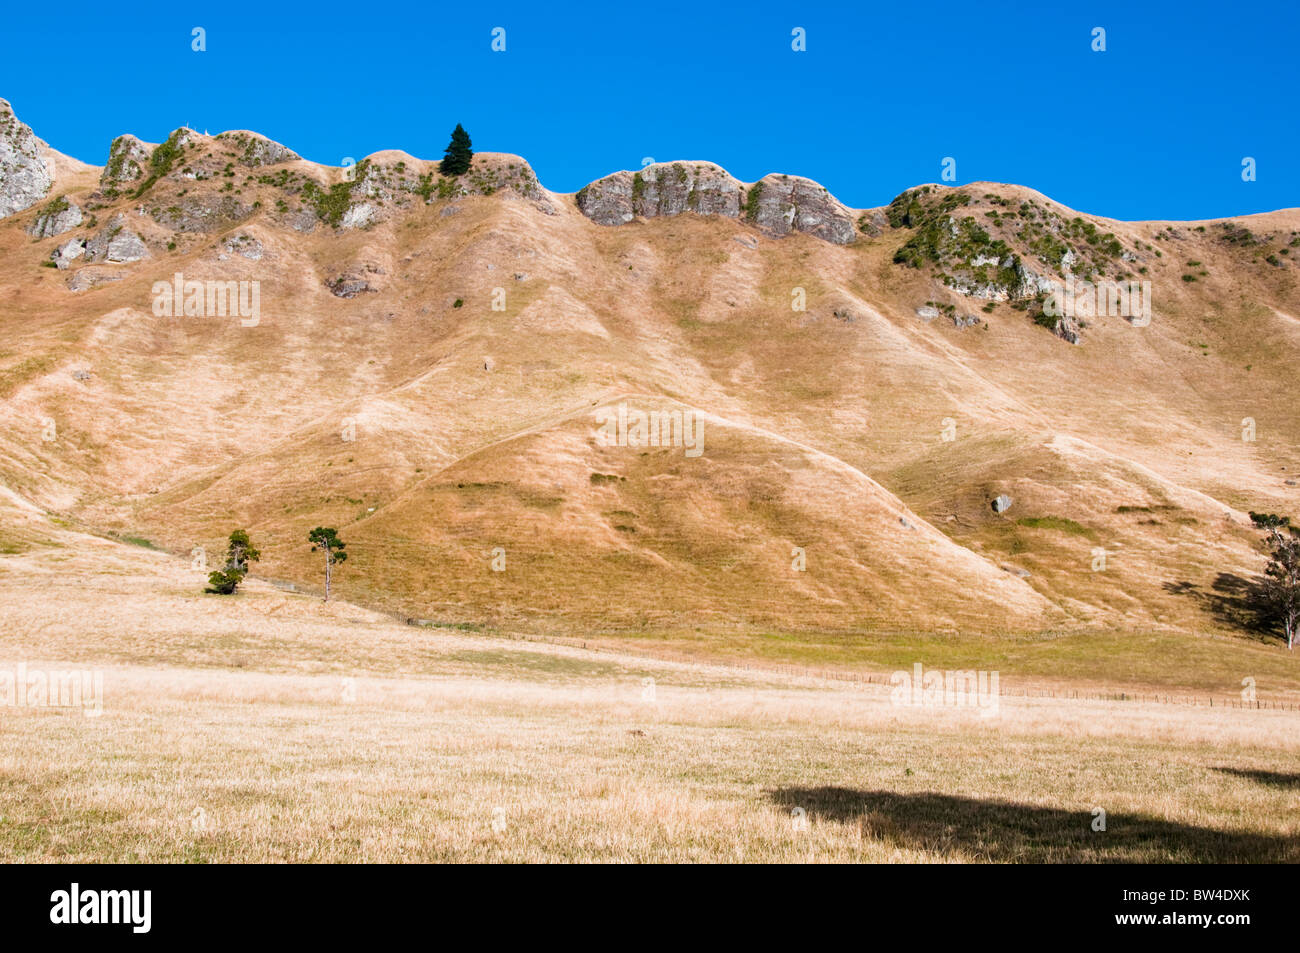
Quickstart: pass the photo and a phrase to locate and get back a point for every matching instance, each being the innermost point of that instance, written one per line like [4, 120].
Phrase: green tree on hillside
[326, 539]
[456, 160]
[239, 553]
[1278, 595]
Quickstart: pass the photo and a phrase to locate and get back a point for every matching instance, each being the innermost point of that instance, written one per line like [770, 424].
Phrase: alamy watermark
[208, 299]
[1076, 298]
[629, 427]
[945, 689]
[25, 687]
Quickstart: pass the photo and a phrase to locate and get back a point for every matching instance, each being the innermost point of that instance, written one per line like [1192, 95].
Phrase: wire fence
[842, 676]
[886, 680]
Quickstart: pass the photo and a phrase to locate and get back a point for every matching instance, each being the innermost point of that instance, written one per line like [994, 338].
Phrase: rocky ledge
[776, 204]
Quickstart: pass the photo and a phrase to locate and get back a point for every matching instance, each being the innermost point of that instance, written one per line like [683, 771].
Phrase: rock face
[24, 178]
[787, 203]
[127, 158]
[258, 150]
[202, 212]
[57, 217]
[776, 204]
[1067, 329]
[68, 252]
[116, 243]
[361, 215]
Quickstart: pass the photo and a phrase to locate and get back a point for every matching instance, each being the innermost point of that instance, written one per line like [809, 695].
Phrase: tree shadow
[1272, 779]
[1233, 600]
[1002, 831]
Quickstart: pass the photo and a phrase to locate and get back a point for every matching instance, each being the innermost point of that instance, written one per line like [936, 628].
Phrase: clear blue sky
[1155, 127]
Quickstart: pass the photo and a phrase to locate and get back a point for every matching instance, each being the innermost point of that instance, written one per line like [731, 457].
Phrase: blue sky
[1154, 127]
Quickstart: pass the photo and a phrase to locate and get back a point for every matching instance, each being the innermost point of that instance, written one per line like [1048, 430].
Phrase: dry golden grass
[271, 727]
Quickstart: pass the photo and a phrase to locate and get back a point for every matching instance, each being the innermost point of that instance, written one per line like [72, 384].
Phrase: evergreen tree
[326, 539]
[1278, 596]
[239, 553]
[459, 153]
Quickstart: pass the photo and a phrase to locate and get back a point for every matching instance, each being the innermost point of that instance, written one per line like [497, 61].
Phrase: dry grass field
[271, 726]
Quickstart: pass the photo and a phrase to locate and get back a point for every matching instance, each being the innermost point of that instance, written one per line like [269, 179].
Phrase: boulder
[69, 251]
[56, 218]
[927, 313]
[354, 281]
[24, 177]
[1001, 504]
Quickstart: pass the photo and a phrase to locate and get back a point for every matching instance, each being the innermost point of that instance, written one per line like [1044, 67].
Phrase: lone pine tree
[458, 154]
[326, 539]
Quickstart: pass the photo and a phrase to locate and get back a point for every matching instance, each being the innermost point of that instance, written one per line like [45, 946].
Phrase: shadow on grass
[1002, 831]
[1272, 779]
[1234, 601]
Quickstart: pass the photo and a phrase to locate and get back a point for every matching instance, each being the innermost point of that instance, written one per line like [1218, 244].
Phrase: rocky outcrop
[57, 217]
[257, 151]
[86, 278]
[355, 281]
[777, 204]
[24, 177]
[68, 252]
[202, 212]
[127, 159]
[1067, 329]
[116, 243]
[244, 245]
[360, 215]
[661, 189]
[787, 203]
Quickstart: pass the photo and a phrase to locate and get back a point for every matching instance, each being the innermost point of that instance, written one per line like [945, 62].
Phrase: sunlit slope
[447, 410]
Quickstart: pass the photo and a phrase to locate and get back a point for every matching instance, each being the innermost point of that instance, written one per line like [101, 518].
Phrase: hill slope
[430, 360]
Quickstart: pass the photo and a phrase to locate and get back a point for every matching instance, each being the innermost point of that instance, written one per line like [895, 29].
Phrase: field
[272, 727]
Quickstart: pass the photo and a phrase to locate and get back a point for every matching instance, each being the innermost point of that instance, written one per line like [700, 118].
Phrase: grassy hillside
[448, 409]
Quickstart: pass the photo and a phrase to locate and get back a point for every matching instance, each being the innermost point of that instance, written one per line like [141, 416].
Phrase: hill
[425, 363]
